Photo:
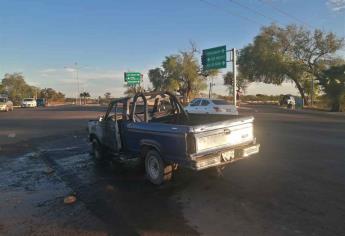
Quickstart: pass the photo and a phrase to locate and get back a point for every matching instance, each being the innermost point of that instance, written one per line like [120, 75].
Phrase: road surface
[295, 186]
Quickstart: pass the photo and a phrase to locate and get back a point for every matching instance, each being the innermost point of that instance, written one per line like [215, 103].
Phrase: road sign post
[215, 58]
[234, 71]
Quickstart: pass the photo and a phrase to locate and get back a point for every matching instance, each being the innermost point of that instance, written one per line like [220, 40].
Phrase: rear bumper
[27, 105]
[224, 157]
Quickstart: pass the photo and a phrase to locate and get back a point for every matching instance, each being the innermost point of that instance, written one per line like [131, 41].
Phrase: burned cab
[153, 127]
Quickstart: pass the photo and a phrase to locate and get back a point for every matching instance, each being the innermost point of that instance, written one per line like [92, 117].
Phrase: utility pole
[77, 76]
[234, 71]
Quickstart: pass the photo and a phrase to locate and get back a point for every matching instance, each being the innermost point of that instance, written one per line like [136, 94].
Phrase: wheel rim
[153, 167]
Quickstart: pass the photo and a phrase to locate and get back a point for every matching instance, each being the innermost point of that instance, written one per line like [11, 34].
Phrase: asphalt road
[295, 186]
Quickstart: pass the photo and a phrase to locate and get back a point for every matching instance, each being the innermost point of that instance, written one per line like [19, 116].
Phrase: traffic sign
[214, 58]
[132, 77]
[132, 82]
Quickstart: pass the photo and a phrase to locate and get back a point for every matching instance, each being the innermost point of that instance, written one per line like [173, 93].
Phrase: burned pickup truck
[153, 127]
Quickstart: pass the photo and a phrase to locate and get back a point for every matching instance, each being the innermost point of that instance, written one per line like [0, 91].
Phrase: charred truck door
[110, 126]
[137, 122]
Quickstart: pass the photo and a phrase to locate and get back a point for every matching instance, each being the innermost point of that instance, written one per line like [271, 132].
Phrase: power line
[286, 14]
[231, 12]
[253, 10]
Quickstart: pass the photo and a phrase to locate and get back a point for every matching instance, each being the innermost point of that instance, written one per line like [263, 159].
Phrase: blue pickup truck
[153, 127]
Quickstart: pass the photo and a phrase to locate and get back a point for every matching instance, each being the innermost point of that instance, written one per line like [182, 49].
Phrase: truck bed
[196, 120]
[214, 132]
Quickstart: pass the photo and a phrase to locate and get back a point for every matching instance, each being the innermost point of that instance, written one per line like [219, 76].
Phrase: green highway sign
[132, 78]
[214, 58]
[132, 82]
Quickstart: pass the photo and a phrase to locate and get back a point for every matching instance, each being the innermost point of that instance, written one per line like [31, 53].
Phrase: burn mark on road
[120, 197]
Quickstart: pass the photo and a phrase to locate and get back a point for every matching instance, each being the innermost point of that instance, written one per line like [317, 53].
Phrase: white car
[29, 102]
[211, 106]
[5, 104]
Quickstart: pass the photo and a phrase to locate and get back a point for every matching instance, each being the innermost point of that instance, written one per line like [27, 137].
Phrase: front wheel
[156, 171]
[97, 151]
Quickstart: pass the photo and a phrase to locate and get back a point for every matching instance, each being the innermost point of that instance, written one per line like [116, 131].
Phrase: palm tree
[85, 95]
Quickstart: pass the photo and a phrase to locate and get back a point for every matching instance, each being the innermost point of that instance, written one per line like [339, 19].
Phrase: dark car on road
[165, 136]
[41, 102]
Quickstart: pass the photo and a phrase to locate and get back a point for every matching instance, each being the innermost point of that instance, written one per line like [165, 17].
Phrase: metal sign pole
[234, 71]
[211, 87]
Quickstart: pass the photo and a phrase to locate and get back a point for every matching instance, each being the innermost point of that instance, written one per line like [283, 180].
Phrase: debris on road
[70, 199]
[49, 170]
[11, 135]
[109, 188]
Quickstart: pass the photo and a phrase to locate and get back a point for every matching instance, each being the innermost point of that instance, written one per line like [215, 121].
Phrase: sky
[43, 39]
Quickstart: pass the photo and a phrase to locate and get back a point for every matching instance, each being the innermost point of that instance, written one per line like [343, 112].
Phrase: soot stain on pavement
[120, 197]
[30, 198]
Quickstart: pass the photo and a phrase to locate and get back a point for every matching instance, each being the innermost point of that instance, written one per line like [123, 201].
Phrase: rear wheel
[156, 170]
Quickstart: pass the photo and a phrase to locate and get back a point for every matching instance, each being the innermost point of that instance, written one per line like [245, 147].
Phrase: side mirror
[100, 118]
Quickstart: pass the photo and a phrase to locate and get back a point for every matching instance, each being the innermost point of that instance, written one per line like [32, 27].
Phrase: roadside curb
[306, 111]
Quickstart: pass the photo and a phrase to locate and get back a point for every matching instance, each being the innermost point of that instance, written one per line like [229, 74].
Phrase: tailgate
[224, 134]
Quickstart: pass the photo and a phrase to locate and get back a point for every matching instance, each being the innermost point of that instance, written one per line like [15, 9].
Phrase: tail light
[217, 109]
[191, 145]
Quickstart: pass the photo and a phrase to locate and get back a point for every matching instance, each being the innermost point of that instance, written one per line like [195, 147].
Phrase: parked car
[29, 102]
[288, 101]
[41, 102]
[165, 136]
[211, 106]
[5, 104]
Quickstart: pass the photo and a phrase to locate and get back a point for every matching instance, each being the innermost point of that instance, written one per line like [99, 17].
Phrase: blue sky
[43, 38]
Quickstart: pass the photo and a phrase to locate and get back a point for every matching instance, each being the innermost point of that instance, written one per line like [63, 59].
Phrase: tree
[310, 90]
[85, 95]
[50, 94]
[333, 82]
[179, 73]
[2, 89]
[185, 73]
[131, 90]
[278, 54]
[16, 88]
[241, 82]
[107, 95]
[157, 78]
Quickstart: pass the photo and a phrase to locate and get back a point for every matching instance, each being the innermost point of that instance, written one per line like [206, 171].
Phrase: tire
[156, 170]
[97, 151]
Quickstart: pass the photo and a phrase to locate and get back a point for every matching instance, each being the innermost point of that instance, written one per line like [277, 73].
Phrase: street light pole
[77, 77]
[76, 70]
